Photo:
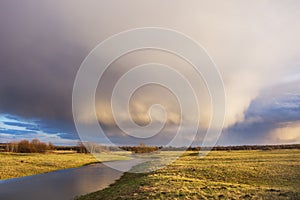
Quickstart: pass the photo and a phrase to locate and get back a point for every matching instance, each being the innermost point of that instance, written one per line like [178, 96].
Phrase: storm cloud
[254, 44]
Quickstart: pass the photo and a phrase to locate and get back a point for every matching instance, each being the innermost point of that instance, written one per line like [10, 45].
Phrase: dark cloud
[38, 62]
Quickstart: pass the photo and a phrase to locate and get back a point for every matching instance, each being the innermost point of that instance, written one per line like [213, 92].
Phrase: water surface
[63, 184]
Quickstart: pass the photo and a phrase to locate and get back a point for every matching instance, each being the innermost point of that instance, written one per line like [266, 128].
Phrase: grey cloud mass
[254, 44]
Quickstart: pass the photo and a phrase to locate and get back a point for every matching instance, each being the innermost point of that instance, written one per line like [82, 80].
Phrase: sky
[253, 43]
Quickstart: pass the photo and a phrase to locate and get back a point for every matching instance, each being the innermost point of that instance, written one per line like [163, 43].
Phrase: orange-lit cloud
[287, 133]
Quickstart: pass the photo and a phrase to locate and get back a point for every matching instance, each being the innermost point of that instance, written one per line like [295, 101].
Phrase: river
[63, 184]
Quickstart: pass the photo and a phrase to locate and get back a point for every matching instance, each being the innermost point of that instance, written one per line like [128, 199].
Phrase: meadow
[254, 174]
[13, 165]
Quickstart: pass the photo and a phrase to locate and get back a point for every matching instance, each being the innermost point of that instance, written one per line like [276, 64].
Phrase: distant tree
[51, 146]
[95, 147]
[24, 146]
[36, 146]
[81, 148]
[142, 144]
[12, 147]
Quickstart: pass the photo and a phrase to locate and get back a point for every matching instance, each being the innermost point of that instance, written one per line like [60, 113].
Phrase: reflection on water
[64, 184]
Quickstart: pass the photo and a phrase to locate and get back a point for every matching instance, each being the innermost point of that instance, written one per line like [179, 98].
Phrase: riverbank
[63, 184]
[14, 165]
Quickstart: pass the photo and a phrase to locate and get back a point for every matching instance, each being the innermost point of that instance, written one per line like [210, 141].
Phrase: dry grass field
[220, 175]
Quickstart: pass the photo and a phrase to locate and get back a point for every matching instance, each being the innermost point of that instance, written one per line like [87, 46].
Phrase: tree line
[243, 147]
[36, 146]
[25, 146]
[142, 148]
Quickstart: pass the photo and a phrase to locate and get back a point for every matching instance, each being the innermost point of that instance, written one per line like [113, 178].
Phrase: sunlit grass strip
[14, 165]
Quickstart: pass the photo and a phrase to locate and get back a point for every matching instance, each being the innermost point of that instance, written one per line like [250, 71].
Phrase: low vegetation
[255, 174]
